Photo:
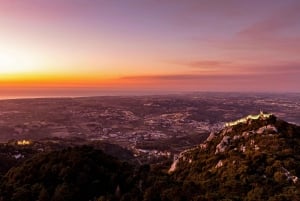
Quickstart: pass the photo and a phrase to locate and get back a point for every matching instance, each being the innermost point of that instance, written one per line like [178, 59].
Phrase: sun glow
[15, 61]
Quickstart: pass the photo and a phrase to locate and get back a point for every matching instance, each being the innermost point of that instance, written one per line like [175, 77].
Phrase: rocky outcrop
[221, 147]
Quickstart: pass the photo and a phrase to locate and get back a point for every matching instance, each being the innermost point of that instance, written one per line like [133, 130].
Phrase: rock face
[173, 166]
[247, 160]
[221, 147]
[211, 136]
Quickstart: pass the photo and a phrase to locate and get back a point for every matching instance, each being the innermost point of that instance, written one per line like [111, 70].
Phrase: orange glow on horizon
[52, 80]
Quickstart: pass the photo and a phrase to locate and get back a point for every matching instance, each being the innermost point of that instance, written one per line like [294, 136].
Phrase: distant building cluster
[23, 142]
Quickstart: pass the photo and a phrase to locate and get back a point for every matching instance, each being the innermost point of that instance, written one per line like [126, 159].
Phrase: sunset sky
[158, 45]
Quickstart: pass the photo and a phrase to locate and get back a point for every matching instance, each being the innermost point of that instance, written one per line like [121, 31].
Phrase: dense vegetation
[253, 166]
[80, 173]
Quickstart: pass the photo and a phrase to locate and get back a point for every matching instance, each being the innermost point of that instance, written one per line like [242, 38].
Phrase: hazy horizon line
[107, 93]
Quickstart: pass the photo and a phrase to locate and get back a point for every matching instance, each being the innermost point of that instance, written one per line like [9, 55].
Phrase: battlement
[249, 117]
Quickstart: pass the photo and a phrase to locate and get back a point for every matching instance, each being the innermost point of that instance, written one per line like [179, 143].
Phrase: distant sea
[88, 92]
[25, 94]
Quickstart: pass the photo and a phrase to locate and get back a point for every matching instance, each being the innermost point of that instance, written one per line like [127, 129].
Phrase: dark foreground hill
[255, 158]
[13, 154]
[80, 173]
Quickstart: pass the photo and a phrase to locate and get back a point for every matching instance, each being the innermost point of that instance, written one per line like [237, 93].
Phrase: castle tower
[261, 113]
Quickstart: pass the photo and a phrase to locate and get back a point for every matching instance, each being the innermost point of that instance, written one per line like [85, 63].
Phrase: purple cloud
[281, 19]
[264, 82]
[204, 64]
